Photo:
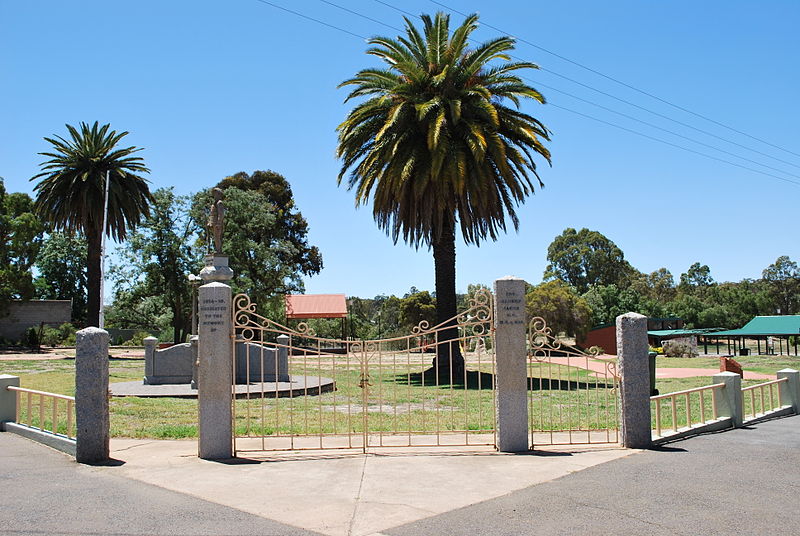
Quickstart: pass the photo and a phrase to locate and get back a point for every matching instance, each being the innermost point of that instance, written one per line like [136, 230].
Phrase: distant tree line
[588, 282]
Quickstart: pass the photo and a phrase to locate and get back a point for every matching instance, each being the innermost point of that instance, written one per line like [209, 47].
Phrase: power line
[555, 105]
[604, 93]
[796, 183]
[668, 131]
[287, 10]
[624, 84]
[356, 13]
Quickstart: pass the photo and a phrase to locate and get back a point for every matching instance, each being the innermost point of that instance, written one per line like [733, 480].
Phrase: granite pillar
[634, 370]
[91, 396]
[215, 364]
[510, 370]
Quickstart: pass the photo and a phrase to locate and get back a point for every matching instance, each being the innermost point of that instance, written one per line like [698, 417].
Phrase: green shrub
[137, 339]
[31, 338]
[63, 335]
[679, 349]
[167, 335]
[50, 337]
[67, 334]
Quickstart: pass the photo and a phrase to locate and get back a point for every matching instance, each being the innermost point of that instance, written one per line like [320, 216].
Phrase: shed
[305, 306]
[768, 329]
[316, 306]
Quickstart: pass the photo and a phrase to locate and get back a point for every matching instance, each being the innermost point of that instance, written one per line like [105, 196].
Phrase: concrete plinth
[8, 399]
[511, 374]
[790, 391]
[729, 403]
[91, 396]
[634, 369]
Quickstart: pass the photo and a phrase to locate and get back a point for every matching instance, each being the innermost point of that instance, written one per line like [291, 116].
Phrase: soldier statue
[216, 222]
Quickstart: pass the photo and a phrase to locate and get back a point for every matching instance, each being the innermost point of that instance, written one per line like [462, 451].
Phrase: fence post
[790, 390]
[149, 358]
[282, 358]
[91, 396]
[511, 376]
[215, 357]
[193, 345]
[8, 399]
[634, 370]
[730, 404]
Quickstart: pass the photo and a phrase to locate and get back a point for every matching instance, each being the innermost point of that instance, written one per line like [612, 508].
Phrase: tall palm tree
[436, 147]
[71, 194]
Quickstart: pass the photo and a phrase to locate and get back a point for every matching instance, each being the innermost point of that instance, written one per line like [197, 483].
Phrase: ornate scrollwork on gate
[248, 322]
[543, 344]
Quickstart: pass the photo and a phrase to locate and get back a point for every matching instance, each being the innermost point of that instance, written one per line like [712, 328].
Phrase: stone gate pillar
[91, 396]
[511, 357]
[634, 371]
[215, 360]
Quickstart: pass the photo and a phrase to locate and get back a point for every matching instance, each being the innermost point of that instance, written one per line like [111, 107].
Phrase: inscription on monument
[511, 309]
[213, 313]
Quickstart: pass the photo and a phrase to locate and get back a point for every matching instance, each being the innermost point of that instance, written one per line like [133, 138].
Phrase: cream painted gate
[343, 394]
[573, 395]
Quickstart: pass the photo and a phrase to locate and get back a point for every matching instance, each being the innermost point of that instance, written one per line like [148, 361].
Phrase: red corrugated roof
[316, 306]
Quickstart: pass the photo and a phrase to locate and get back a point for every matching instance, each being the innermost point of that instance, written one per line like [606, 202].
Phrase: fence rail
[35, 413]
[680, 406]
[766, 403]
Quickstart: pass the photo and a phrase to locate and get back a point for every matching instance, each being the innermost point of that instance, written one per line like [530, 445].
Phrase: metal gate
[302, 391]
[573, 395]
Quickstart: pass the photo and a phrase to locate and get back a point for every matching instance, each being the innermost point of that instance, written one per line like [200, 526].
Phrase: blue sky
[212, 88]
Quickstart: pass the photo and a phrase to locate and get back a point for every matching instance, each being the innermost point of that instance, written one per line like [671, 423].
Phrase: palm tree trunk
[449, 363]
[93, 260]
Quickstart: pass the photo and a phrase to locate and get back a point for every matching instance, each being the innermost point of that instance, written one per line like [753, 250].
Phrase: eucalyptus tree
[20, 240]
[440, 143]
[71, 193]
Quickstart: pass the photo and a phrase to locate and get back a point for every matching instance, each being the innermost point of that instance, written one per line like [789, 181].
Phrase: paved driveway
[744, 481]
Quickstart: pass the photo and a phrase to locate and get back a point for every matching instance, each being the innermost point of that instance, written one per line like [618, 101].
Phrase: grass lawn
[754, 363]
[766, 364]
[399, 399]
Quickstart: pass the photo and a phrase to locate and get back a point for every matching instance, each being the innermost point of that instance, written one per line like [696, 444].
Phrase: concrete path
[599, 367]
[337, 494]
[692, 372]
[743, 481]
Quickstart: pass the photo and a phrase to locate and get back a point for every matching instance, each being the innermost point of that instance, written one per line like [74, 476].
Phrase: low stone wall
[257, 363]
[176, 364]
[167, 366]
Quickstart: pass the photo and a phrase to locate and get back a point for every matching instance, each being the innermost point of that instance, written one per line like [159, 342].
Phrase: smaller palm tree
[71, 194]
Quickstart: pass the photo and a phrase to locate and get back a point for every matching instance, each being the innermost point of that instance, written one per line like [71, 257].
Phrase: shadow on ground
[485, 380]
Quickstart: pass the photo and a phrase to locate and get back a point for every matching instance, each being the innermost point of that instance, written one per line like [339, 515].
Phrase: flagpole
[102, 315]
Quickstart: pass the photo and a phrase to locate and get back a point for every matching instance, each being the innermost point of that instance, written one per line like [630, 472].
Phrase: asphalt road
[45, 492]
[744, 481]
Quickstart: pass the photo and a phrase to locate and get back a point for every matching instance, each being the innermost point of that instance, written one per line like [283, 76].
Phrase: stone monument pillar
[214, 370]
[511, 372]
[634, 371]
[215, 345]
